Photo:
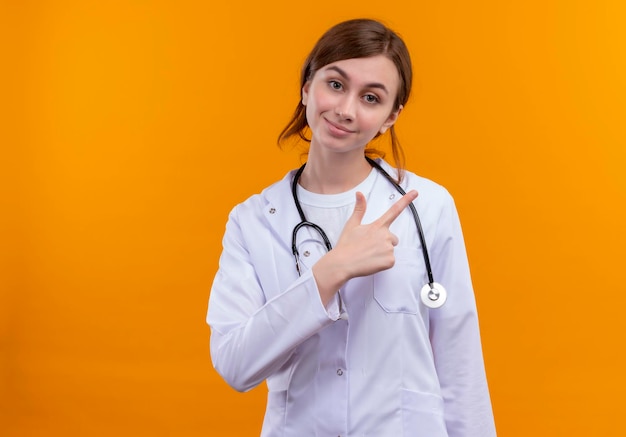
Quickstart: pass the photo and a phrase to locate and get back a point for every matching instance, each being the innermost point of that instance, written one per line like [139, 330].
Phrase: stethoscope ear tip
[433, 295]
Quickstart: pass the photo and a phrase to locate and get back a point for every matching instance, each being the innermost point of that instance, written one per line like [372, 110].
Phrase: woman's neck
[334, 174]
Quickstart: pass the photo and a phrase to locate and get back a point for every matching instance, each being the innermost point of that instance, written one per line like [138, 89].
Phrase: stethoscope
[432, 295]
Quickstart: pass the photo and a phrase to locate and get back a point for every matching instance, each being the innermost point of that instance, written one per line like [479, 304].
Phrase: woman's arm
[455, 335]
[251, 337]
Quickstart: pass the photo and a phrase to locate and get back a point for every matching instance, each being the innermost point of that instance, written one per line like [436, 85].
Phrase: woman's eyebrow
[346, 77]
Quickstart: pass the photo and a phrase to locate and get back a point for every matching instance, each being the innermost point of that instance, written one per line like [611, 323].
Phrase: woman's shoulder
[413, 181]
[425, 185]
[258, 202]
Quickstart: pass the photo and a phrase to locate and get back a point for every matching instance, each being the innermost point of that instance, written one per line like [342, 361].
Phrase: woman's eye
[370, 98]
[335, 85]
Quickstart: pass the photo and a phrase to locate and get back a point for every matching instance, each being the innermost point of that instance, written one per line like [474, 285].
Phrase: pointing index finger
[392, 213]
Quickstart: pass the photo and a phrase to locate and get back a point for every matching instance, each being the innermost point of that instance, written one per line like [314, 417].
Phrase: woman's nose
[345, 108]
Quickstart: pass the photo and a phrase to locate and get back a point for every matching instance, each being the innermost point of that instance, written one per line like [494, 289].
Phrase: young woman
[342, 316]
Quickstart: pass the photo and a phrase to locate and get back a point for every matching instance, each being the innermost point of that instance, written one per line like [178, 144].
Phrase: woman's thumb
[359, 210]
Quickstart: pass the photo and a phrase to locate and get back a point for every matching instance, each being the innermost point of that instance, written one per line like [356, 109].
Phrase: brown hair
[360, 38]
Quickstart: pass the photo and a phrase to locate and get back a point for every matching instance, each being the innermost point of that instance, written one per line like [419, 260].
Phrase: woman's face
[349, 102]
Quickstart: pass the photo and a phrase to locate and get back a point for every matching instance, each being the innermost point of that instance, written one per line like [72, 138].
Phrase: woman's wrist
[330, 275]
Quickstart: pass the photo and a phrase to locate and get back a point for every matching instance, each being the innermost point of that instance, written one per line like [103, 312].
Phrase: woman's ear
[390, 120]
[305, 92]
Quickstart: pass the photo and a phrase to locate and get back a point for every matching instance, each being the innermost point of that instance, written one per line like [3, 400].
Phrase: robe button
[272, 210]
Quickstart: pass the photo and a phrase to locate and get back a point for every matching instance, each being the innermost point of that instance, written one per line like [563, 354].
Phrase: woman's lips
[337, 129]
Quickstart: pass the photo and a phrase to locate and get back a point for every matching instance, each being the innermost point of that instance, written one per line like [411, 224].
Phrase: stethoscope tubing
[416, 217]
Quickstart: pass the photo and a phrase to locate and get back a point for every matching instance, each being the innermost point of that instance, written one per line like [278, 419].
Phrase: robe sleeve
[455, 335]
[253, 337]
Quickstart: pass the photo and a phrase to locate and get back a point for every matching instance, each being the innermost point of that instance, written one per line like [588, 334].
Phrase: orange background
[131, 128]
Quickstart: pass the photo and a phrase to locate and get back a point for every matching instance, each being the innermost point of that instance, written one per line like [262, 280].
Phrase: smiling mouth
[339, 127]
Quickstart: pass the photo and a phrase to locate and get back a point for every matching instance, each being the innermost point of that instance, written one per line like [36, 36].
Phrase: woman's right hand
[361, 249]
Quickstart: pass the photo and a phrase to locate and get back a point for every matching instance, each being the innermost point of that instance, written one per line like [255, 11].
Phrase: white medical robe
[388, 366]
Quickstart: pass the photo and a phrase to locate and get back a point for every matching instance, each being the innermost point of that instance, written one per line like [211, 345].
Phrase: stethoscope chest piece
[433, 295]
